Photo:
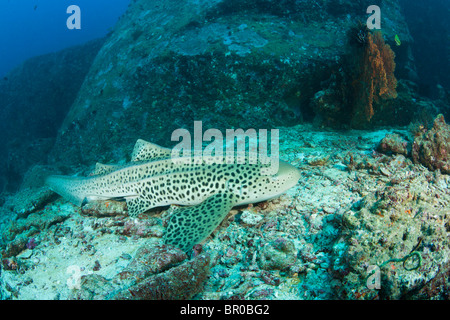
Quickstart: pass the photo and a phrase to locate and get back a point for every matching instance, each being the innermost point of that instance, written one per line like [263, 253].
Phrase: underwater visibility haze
[224, 150]
[34, 27]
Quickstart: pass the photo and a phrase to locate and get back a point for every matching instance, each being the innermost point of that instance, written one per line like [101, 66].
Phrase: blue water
[33, 27]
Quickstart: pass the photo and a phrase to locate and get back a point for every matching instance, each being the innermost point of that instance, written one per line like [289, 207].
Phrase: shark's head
[288, 174]
[268, 186]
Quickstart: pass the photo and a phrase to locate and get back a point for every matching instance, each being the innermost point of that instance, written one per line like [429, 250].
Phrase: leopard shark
[205, 191]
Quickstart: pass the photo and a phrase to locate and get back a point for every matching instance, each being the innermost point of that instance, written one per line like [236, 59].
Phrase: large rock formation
[229, 63]
[34, 99]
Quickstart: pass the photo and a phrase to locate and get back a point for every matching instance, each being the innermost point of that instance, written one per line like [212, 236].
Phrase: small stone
[97, 266]
[328, 210]
[126, 256]
[25, 254]
[251, 218]
[385, 172]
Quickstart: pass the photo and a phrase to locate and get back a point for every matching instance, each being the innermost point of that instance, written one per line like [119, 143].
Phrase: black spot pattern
[211, 188]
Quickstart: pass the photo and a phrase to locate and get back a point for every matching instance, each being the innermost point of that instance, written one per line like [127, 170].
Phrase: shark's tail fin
[70, 188]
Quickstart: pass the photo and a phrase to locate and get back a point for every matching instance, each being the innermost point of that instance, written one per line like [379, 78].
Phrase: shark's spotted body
[153, 179]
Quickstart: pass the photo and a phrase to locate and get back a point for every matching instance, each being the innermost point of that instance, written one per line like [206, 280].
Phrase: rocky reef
[34, 99]
[360, 224]
[252, 64]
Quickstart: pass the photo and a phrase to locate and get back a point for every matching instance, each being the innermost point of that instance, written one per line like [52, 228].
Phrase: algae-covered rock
[328, 107]
[401, 233]
[150, 260]
[156, 272]
[36, 175]
[178, 283]
[93, 287]
[19, 232]
[30, 200]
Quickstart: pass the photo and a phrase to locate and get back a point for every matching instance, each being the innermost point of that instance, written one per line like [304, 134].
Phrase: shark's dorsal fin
[101, 168]
[144, 150]
[190, 225]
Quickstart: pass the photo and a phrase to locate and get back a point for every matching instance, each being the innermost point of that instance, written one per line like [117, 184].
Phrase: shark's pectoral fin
[137, 205]
[190, 225]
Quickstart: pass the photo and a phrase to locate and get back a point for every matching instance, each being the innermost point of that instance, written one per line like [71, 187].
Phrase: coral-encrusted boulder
[393, 143]
[157, 272]
[432, 148]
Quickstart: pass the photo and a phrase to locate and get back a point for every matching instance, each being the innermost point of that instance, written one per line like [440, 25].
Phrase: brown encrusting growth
[374, 78]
